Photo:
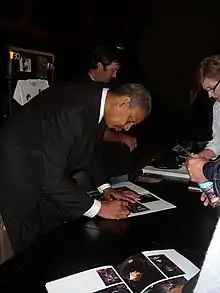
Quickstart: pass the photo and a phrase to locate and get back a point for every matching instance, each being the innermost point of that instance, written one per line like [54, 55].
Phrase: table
[86, 244]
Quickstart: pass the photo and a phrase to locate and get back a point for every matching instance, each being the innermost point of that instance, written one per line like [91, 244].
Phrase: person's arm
[58, 139]
[97, 175]
[112, 135]
[96, 169]
[211, 171]
[116, 136]
[201, 170]
[194, 165]
[212, 149]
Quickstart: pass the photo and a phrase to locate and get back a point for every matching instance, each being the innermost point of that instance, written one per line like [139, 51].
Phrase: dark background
[165, 41]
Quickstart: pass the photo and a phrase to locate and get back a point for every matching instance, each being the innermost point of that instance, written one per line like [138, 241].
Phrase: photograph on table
[121, 288]
[165, 286]
[109, 276]
[149, 178]
[138, 272]
[137, 208]
[169, 268]
[147, 202]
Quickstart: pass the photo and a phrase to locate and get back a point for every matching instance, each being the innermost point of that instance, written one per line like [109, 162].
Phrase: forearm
[70, 200]
[211, 170]
[112, 135]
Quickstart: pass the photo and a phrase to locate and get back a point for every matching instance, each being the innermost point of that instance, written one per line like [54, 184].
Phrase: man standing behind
[50, 138]
[104, 66]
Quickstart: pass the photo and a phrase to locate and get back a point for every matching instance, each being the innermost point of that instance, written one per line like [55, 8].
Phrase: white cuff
[93, 211]
[103, 187]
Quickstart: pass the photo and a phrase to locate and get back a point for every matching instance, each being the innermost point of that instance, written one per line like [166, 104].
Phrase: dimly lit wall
[68, 58]
[176, 37]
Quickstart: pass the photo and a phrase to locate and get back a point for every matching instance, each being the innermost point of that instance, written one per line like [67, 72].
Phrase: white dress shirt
[214, 144]
[95, 208]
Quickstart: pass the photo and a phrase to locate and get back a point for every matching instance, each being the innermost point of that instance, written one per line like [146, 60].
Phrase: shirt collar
[102, 106]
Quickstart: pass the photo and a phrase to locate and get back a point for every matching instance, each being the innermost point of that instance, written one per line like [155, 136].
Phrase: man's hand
[114, 209]
[194, 165]
[130, 141]
[117, 136]
[204, 199]
[111, 193]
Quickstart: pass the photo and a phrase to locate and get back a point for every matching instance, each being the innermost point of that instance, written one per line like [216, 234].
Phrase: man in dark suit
[104, 66]
[50, 138]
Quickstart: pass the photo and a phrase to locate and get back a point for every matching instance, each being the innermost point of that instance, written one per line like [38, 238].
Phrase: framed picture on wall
[24, 63]
[32, 69]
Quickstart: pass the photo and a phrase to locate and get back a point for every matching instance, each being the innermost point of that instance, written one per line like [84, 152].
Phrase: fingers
[205, 199]
[114, 210]
[126, 198]
[206, 202]
[124, 203]
[133, 147]
[130, 197]
[133, 144]
[123, 210]
[124, 214]
[125, 195]
[130, 194]
[121, 195]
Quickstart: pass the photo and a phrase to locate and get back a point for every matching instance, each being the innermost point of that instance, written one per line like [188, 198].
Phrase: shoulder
[216, 106]
[85, 86]
[75, 91]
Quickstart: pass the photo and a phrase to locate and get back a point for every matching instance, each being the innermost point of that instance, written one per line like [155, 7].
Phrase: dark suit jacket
[48, 139]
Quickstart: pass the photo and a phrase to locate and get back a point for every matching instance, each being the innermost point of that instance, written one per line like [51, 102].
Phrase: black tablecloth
[89, 243]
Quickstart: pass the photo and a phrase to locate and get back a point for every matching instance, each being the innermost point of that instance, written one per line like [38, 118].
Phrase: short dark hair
[210, 67]
[140, 96]
[106, 55]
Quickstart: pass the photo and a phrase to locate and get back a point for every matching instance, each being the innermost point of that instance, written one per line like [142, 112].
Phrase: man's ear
[124, 101]
[100, 67]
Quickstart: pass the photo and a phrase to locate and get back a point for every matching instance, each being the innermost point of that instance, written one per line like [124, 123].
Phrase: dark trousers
[22, 231]
[25, 230]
